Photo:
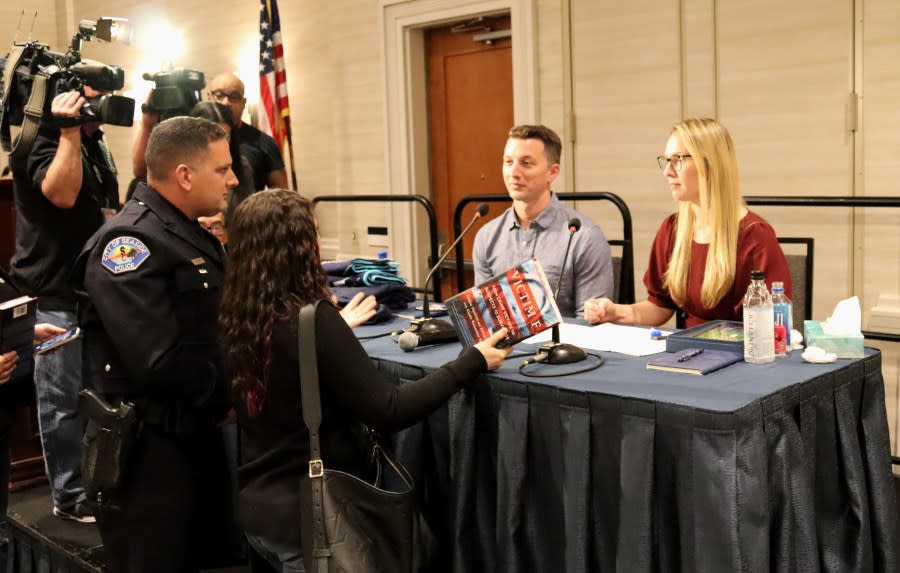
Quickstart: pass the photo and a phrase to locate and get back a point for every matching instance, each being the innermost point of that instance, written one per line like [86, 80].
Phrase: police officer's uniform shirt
[48, 238]
[150, 283]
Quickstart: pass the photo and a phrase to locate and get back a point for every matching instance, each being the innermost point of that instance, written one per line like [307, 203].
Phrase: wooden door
[470, 110]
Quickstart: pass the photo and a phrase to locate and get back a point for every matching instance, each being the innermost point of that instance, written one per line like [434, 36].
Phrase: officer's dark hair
[551, 141]
[274, 268]
[179, 140]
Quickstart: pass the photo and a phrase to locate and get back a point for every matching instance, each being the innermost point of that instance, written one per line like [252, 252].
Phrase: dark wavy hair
[274, 268]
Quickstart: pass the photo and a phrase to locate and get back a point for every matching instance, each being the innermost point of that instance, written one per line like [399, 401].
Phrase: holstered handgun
[106, 448]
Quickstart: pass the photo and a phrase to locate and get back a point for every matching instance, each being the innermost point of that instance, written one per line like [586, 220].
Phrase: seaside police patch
[124, 254]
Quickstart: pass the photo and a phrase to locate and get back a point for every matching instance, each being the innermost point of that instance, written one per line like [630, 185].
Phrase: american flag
[275, 110]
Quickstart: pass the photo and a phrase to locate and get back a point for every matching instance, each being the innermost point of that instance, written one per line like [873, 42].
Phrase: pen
[689, 355]
[657, 335]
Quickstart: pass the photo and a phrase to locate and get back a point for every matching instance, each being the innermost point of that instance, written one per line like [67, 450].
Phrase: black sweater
[353, 392]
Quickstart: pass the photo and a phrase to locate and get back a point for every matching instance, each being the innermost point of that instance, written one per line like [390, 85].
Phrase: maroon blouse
[757, 248]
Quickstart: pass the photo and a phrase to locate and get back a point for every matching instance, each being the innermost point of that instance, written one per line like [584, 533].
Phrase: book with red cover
[520, 300]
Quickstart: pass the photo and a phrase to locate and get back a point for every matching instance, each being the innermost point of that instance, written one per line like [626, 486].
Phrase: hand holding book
[519, 300]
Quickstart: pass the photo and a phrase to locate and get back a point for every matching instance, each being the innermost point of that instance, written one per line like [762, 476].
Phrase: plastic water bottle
[784, 316]
[759, 321]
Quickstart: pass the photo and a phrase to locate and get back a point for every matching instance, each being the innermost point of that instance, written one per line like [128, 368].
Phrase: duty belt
[177, 417]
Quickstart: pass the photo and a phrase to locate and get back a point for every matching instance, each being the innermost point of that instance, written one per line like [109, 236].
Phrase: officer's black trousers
[175, 507]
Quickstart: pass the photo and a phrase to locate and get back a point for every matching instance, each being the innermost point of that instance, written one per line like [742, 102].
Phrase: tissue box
[844, 345]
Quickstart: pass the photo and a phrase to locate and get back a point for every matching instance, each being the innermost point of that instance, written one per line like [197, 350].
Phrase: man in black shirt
[62, 190]
[259, 149]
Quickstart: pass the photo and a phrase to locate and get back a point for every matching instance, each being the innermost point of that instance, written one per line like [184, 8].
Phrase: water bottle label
[759, 333]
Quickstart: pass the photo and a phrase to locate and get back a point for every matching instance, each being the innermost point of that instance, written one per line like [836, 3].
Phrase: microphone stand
[556, 352]
[427, 326]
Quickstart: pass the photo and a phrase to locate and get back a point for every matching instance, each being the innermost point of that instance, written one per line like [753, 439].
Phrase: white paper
[608, 337]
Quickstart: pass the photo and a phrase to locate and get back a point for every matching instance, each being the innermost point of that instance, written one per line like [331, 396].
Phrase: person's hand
[149, 116]
[492, 355]
[45, 331]
[359, 310]
[597, 310]
[8, 363]
[67, 104]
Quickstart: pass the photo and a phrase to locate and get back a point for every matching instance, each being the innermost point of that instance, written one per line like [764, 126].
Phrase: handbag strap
[312, 416]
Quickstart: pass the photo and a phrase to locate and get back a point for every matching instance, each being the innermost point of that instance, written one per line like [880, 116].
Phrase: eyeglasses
[677, 161]
[233, 97]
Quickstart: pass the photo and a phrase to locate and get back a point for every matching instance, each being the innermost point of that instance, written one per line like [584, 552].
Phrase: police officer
[149, 287]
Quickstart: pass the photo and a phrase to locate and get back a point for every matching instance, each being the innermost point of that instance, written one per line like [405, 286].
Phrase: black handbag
[356, 527]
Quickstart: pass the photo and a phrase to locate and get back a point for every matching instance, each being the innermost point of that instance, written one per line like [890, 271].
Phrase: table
[777, 467]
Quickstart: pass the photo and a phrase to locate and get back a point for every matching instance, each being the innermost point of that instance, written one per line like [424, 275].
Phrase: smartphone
[57, 341]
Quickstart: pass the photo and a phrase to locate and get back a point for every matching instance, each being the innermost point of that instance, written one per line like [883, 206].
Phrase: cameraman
[62, 189]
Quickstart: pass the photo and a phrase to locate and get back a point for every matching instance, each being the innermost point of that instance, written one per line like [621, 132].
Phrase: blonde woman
[702, 255]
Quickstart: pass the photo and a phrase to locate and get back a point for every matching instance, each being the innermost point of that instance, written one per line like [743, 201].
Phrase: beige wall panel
[880, 245]
[699, 46]
[783, 89]
[551, 35]
[627, 85]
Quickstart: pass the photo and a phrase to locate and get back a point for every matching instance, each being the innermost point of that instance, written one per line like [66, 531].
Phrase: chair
[429, 212]
[801, 269]
[623, 271]
[623, 264]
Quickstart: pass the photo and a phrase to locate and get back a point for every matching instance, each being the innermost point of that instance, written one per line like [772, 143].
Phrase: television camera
[175, 92]
[33, 75]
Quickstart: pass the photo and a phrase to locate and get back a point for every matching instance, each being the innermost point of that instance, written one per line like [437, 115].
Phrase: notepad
[694, 361]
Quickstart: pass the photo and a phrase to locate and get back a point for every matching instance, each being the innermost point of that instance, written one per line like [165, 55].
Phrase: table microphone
[556, 352]
[427, 330]
[432, 332]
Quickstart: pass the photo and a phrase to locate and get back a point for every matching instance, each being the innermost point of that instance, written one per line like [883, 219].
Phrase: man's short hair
[551, 141]
[179, 140]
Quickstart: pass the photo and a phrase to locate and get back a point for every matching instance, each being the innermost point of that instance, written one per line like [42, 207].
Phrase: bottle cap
[382, 255]
[757, 275]
[777, 286]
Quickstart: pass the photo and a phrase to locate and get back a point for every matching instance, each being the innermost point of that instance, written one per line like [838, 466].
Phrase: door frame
[406, 130]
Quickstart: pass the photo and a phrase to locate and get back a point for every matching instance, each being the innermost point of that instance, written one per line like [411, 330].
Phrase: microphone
[556, 352]
[432, 332]
[480, 212]
[428, 328]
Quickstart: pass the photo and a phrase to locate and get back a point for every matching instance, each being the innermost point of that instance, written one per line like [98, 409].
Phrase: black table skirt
[530, 477]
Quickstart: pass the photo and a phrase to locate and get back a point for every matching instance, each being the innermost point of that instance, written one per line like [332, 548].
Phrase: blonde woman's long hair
[712, 151]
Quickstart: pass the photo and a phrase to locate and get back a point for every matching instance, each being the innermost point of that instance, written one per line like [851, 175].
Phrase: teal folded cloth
[371, 277]
[359, 266]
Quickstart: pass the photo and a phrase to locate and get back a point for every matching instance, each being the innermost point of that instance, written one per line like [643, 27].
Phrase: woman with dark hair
[274, 270]
[221, 114]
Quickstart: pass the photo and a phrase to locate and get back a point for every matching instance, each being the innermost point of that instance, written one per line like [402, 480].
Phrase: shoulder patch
[124, 254]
